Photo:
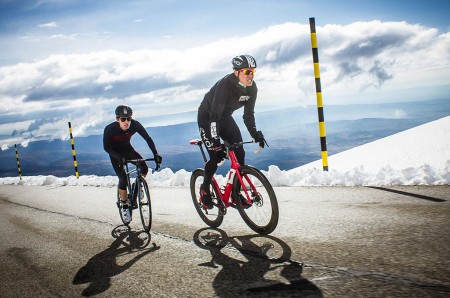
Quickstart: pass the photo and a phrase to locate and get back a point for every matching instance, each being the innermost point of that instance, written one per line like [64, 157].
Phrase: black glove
[221, 152]
[259, 138]
[158, 160]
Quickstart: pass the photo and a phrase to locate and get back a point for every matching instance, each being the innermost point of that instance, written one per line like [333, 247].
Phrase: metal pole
[74, 153]
[323, 140]
[18, 162]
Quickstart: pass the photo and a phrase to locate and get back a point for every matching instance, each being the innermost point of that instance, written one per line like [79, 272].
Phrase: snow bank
[425, 175]
[418, 156]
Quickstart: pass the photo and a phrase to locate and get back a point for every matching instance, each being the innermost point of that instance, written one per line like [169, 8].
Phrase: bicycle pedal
[205, 208]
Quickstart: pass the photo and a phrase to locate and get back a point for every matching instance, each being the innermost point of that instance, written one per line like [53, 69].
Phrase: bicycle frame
[246, 189]
[137, 170]
[128, 172]
[225, 195]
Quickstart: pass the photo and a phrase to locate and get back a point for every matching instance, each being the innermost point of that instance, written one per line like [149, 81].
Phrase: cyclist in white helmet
[215, 121]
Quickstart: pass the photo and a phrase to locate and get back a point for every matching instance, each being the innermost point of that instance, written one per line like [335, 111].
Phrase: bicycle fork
[252, 196]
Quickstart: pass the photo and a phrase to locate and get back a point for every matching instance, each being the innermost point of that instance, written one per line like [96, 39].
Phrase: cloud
[368, 54]
[26, 142]
[48, 25]
[379, 72]
[57, 128]
[85, 87]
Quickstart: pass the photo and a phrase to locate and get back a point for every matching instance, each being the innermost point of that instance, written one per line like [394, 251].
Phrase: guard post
[18, 162]
[323, 141]
[74, 153]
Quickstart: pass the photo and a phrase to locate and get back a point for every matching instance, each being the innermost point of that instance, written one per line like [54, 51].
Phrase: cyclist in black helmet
[116, 141]
[234, 91]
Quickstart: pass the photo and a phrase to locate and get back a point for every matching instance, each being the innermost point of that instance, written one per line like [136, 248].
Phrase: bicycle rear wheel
[145, 204]
[120, 210]
[212, 217]
[261, 214]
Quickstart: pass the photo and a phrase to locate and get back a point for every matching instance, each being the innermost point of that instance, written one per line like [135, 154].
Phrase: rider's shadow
[259, 273]
[100, 268]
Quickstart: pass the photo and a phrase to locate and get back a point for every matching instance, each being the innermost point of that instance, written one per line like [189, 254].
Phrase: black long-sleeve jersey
[117, 142]
[225, 97]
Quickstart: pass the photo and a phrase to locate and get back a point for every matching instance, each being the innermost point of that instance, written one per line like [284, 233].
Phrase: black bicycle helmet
[243, 61]
[124, 111]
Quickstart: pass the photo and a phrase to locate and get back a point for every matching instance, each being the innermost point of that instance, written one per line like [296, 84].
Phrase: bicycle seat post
[203, 152]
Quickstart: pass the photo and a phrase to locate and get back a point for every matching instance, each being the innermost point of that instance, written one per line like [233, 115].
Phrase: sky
[417, 156]
[75, 60]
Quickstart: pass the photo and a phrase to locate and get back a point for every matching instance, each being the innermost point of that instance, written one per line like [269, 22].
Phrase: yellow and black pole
[18, 162]
[74, 153]
[323, 140]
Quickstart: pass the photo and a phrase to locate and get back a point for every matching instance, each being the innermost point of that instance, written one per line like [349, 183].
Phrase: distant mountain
[292, 135]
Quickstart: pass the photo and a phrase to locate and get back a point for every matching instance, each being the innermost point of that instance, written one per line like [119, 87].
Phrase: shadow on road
[101, 267]
[410, 194]
[267, 267]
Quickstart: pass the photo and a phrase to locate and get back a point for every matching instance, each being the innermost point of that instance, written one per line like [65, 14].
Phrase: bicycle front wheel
[212, 217]
[145, 204]
[261, 212]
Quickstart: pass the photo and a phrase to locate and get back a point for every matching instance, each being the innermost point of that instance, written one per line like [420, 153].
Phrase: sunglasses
[123, 119]
[248, 71]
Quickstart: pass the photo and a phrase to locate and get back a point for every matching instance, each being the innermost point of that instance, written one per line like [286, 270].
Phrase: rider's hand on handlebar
[158, 160]
[259, 138]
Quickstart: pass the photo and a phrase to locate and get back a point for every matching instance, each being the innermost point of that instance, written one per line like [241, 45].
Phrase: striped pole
[74, 153]
[323, 140]
[18, 162]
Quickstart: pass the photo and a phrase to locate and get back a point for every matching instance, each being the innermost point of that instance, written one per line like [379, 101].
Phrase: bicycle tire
[126, 223]
[210, 238]
[145, 204]
[212, 217]
[262, 215]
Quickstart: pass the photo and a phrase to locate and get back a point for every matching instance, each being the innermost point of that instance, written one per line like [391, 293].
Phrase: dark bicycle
[138, 193]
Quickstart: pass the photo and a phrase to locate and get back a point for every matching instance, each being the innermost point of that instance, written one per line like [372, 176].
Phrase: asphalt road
[330, 242]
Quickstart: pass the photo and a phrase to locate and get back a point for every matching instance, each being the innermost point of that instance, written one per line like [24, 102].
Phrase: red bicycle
[246, 189]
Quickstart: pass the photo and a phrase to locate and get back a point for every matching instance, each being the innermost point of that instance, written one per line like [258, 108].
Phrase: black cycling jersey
[117, 142]
[226, 96]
